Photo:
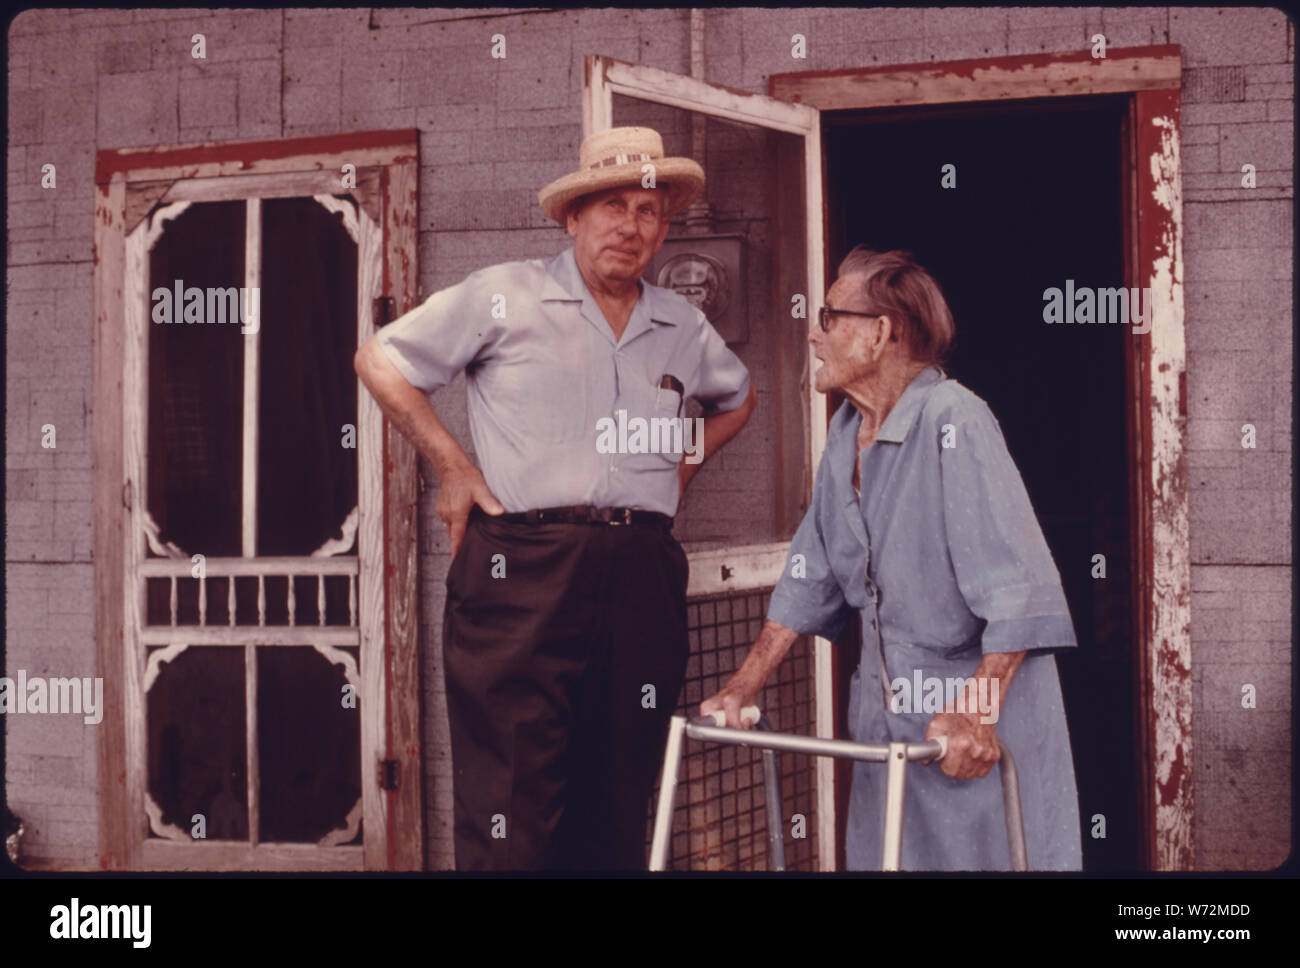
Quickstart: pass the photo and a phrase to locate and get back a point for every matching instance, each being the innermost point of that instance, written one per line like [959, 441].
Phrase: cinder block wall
[491, 133]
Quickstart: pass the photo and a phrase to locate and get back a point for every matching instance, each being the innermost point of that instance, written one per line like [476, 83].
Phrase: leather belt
[588, 514]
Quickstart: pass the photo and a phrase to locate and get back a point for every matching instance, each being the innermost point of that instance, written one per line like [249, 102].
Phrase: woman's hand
[972, 745]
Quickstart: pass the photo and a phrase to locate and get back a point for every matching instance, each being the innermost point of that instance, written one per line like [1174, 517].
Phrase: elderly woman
[921, 524]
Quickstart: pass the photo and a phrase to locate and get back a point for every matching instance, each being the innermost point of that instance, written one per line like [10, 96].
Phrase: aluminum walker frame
[896, 756]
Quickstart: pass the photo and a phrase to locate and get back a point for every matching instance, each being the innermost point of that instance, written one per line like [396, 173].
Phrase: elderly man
[921, 524]
[565, 637]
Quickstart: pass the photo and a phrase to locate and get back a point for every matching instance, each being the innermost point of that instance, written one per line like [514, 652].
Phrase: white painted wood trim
[225, 188]
[149, 163]
[135, 396]
[822, 674]
[597, 99]
[275, 565]
[347, 831]
[1170, 655]
[349, 212]
[253, 779]
[252, 371]
[167, 830]
[342, 544]
[1065, 74]
[339, 658]
[746, 568]
[227, 855]
[689, 94]
[153, 534]
[373, 632]
[823, 667]
[153, 665]
[249, 635]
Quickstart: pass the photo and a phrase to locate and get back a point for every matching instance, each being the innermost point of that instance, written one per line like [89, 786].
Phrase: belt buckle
[627, 517]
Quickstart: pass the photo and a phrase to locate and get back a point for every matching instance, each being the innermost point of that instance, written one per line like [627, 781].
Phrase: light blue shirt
[543, 368]
[958, 567]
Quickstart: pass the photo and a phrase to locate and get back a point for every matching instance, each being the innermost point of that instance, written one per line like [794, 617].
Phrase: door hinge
[128, 494]
[388, 774]
[381, 310]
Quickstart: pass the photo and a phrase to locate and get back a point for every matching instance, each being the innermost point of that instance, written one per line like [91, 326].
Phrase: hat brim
[682, 177]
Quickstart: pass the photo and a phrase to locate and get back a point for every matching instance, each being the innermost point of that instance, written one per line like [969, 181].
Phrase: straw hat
[615, 158]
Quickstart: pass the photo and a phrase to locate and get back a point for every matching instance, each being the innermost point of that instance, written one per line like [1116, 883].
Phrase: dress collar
[899, 422]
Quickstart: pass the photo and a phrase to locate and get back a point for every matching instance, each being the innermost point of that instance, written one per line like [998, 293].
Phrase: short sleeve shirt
[550, 389]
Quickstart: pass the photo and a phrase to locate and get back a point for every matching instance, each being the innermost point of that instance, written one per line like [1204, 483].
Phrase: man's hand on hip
[972, 745]
[463, 486]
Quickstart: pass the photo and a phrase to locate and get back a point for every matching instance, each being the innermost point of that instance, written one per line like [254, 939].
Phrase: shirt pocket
[665, 433]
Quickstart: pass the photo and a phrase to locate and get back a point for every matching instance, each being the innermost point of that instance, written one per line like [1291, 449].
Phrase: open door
[750, 254]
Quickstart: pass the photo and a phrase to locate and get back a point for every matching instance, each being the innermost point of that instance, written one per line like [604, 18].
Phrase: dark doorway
[1037, 201]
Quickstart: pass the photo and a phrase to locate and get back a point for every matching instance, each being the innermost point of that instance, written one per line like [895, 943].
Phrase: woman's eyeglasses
[825, 312]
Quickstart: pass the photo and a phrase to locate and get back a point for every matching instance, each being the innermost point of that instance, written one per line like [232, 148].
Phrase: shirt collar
[565, 282]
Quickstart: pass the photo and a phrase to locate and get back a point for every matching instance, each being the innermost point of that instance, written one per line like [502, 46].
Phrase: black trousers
[565, 650]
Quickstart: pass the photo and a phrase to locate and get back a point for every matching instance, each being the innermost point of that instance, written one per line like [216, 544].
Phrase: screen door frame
[129, 183]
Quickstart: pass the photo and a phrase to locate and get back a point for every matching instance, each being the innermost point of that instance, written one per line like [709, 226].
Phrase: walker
[896, 756]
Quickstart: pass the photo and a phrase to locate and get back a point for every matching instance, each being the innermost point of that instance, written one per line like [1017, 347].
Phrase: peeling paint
[240, 155]
[983, 79]
[1170, 660]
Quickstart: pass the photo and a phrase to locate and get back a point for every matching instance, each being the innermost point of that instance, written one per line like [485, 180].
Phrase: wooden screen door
[259, 588]
[728, 585]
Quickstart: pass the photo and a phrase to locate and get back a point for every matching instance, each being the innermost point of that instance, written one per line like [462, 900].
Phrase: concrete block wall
[492, 132]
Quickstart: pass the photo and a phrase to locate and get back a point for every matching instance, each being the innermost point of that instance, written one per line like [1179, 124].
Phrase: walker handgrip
[749, 714]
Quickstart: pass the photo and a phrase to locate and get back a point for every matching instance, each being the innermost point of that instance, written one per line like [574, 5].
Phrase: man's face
[617, 232]
[844, 350]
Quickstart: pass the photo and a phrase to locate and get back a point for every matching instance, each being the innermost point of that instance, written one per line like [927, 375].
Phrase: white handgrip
[750, 714]
[943, 747]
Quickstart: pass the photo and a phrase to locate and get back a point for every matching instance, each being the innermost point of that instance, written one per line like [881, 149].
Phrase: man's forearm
[408, 409]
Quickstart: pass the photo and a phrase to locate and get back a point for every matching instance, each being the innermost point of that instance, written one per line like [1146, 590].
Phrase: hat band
[622, 158]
